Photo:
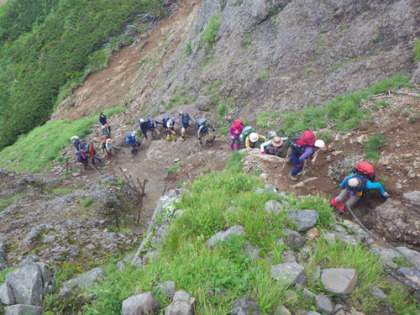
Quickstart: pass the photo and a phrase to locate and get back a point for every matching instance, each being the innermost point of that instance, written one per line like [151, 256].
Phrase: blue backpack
[129, 139]
[164, 121]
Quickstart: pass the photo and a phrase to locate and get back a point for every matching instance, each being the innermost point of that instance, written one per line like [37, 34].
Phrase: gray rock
[26, 285]
[304, 219]
[338, 308]
[413, 197]
[338, 280]
[295, 240]
[330, 237]
[379, 294]
[308, 294]
[305, 253]
[413, 256]
[3, 258]
[288, 273]
[252, 251]
[412, 274]
[269, 188]
[29, 260]
[6, 295]
[225, 235]
[20, 309]
[145, 303]
[245, 306]
[323, 304]
[273, 206]
[86, 280]
[282, 310]
[312, 313]
[288, 256]
[121, 264]
[259, 190]
[168, 288]
[386, 255]
[182, 304]
[65, 293]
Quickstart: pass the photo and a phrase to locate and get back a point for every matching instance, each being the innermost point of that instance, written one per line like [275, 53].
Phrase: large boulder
[304, 219]
[245, 306]
[182, 304]
[26, 284]
[288, 273]
[6, 295]
[86, 280]
[168, 288]
[225, 235]
[21, 309]
[145, 303]
[338, 280]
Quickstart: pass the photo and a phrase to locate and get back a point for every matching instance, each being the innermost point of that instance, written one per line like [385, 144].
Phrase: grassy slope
[203, 271]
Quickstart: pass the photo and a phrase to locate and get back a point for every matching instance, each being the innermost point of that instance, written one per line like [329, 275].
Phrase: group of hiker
[304, 147]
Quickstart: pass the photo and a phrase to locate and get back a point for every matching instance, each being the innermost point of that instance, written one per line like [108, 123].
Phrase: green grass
[36, 150]
[88, 202]
[380, 104]
[417, 50]
[342, 112]
[174, 168]
[374, 143]
[264, 76]
[221, 109]
[4, 202]
[188, 48]
[209, 34]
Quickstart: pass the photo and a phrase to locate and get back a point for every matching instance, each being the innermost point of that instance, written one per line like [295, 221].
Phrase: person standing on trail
[252, 139]
[108, 148]
[152, 126]
[184, 120]
[102, 118]
[106, 130]
[170, 129]
[306, 146]
[354, 185]
[131, 141]
[83, 145]
[273, 146]
[75, 140]
[92, 153]
[144, 126]
[203, 132]
[235, 132]
[82, 157]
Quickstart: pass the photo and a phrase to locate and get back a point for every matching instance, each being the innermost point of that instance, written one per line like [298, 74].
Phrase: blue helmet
[150, 119]
[173, 118]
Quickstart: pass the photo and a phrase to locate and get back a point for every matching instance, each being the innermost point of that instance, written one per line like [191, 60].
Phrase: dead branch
[405, 93]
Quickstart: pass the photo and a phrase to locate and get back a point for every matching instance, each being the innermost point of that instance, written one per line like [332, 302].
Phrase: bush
[188, 48]
[209, 34]
[221, 109]
[374, 144]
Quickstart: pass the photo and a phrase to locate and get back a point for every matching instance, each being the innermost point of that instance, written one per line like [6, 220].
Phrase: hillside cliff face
[281, 55]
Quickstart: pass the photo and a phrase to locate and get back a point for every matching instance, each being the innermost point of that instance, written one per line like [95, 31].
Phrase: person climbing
[203, 132]
[271, 135]
[108, 148]
[361, 179]
[245, 133]
[302, 148]
[75, 140]
[82, 157]
[144, 126]
[152, 127]
[92, 153]
[235, 132]
[252, 139]
[170, 129]
[102, 118]
[273, 146]
[106, 130]
[184, 119]
[131, 141]
[83, 145]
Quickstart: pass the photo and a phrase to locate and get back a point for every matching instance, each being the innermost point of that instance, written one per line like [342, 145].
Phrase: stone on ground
[6, 295]
[22, 309]
[145, 303]
[225, 235]
[295, 240]
[339, 280]
[304, 219]
[273, 206]
[86, 280]
[26, 285]
[288, 273]
[323, 304]
[182, 304]
[245, 306]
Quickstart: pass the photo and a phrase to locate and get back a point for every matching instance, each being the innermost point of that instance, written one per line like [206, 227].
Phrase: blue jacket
[368, 185]
[185, 120]
[130, 140]
[102, 119]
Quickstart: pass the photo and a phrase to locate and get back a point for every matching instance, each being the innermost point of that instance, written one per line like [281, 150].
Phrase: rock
[3, 259]
[168, 288]
[86, 280]
[288, 273]
[182, 304]
[270, 189]
[272, 206]
[259, 190]
[252, 251]
[288, 256]
[295, 240]
[412, 255]
[308, 294]
[362, 139]
[26, 285]
[29, 260]
[379, 294]
[225, 235]
[386, 255]
[311, 313]
[305, 219]
[323, 304]
[245, 306]
[145, 303]
[6, 295]
[338, 280]
[413, 197]
[282, 310]
[412, 274]
[335, 153]
[312, 233]
[21, 309]
[65, 293]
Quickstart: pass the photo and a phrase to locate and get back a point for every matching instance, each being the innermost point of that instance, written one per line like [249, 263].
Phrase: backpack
[201, 121]
[81, 156]
[245, 133]
[307, 139]
[164, 121]
[365, 169]
[129, 139]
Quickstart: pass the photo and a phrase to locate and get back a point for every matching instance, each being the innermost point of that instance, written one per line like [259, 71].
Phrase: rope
[386, 269]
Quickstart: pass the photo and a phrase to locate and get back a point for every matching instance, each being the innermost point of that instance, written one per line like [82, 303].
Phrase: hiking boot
[293, 178]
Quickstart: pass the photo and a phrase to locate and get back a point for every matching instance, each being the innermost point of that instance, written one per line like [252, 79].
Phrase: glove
[199, 138]
[299, 165]
[263, 153]
[385, 194]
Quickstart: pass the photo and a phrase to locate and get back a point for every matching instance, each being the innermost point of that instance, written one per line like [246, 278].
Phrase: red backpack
[365, 169]
[307, 139]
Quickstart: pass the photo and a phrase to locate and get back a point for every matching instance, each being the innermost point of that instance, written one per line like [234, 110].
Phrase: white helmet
[320, 144]
[354, 182]
[253, 137]
[141, 120]
[133, 133]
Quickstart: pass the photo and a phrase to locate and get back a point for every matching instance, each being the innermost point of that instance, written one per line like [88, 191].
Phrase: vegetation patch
[374, 143]
[4, 202]
[174, 168]
[417, 50]
[209, 34]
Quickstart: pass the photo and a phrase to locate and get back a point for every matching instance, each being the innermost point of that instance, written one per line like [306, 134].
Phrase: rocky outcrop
[225, 235]
[183, 303]
[21, 309]
[245, 305]
[83, 282]
[26, 285]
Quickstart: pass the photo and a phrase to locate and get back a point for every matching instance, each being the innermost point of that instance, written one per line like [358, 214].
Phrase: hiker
[92, 153]
[152, 126]
[106, 130]
[304, 147]
[102, 119]
[144, 126]
[108, 148]
[235, 132]
[184, 119]
[273, 146]
[252, 139]
[131, 141]
[75, 140]
[170, 129]
[271, 135]
[83, 145]
[361, 179]
[203, 132]
[82, 158]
